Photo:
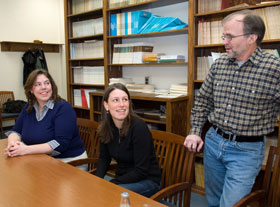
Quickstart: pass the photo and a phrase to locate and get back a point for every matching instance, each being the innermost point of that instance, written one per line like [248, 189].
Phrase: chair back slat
[87, 130]
[5, 96]
[271, 183]
[176, 163]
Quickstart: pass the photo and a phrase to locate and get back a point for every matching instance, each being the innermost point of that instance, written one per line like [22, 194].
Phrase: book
[171, 58]
[147, 24]
[238, 6]
[266, 2]
[77, 97]
[173, 24]
[143, 88]
[138, 19]
[151, 57]
[124, 81]
[225, 4]
[84, 99]
[87, 91]
[113, 25]
[158, 24]
[139, 49]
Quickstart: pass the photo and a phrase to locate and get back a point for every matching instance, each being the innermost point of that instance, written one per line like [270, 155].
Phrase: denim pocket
[210, 133]
[252, 147]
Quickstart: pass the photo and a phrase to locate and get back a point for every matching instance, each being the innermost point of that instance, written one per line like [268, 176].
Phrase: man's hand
[194, 143]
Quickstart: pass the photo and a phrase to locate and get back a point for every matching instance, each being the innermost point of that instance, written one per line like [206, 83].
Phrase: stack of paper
[181, 89]
[131, 53]
[171, 58]
[144, 88]
[123, 81]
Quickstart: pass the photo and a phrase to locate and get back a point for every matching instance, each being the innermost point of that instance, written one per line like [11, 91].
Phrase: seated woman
[128, 140]
[47, 123]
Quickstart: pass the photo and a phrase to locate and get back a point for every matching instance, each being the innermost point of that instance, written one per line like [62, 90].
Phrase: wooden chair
[177, 165]
[4, 97]
[87, 129]
[269, 194]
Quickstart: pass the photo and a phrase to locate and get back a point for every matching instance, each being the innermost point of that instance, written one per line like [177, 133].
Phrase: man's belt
[238, 138]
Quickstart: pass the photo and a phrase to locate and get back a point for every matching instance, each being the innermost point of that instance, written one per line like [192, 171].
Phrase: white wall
[25, 21]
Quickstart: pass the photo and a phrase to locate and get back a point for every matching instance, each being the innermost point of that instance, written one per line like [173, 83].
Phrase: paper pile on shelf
[171, 58]
[131, 53]
[143, 88]
[79, 6]
[87, 49]
[180, 89]
[161, 91]
[123, 81]
[89, 75]
[87, 27]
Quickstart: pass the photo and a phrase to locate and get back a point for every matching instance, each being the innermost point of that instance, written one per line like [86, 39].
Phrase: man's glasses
[229, 37]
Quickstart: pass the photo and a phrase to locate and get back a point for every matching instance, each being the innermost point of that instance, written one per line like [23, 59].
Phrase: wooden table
[42, 181]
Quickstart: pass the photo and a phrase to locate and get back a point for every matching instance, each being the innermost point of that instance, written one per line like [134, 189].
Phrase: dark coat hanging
[33, 60]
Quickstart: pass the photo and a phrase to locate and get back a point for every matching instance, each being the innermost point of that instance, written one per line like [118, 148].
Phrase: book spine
[113, 25]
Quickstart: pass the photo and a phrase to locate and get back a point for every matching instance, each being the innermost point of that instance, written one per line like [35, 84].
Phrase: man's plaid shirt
[242, 100]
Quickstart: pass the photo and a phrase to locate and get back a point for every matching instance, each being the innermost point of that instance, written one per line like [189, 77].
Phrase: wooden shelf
[149, 64]
[227, 11]
[97, 112]
[132, 5]
[84, 38]
[141, 5]
[151, 34]
[8, 46]
[87, 85]
[86, 13]
[79, 107]
[84, 59]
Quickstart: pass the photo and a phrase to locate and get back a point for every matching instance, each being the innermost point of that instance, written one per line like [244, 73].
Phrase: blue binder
[113, 25]
[138, 19]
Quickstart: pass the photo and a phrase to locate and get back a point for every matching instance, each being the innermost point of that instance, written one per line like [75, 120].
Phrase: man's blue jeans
[144, 187]
[230, 168]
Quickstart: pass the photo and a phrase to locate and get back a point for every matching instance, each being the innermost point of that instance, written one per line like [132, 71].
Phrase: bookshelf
[174, 40]
[203, 47]
[83, 30]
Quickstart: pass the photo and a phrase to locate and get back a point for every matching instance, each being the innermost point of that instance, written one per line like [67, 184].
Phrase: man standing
[241, 99]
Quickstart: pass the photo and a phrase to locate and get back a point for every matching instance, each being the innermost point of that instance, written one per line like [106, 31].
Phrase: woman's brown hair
[105, 127]
[30, 83]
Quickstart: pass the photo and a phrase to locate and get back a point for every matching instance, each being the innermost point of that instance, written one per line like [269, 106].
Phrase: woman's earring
[107, 112]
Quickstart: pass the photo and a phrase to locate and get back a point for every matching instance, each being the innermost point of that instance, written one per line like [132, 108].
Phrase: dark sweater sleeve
[19, 122]
[64, 125]
[103, 161]
[142, 147]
